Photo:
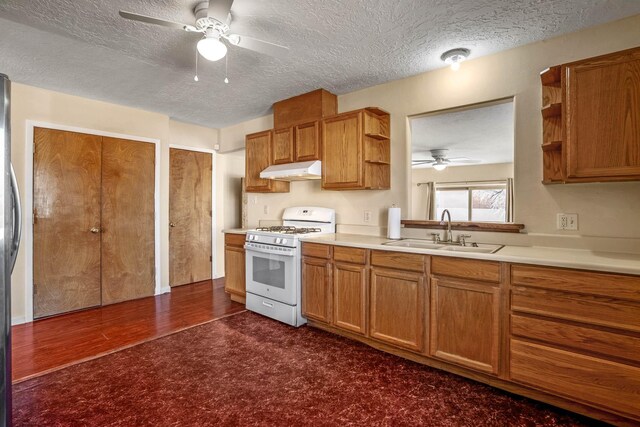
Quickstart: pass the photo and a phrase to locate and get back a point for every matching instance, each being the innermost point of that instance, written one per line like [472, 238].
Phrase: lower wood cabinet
[397, 308]
[316, 289]
[465, 323]
[234, 267]
[350, 297]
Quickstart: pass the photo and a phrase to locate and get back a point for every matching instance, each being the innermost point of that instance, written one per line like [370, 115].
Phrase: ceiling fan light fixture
[455, 56]
[211, 48]
[439, 166]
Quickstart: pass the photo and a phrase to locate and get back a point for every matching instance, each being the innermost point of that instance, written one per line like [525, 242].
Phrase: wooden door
[66, 201]
[282, 146]
[603, 124]
[190, 253]
[397, 300]
[465, 323]
[307, 137]
[350, 297]
[316, 289]
[128, 220]
[342, 151]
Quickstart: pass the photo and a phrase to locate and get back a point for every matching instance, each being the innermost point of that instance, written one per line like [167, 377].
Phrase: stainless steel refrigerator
[9, 241]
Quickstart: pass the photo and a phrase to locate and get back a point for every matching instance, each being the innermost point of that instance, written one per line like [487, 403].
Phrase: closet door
[128, 241]
[66, 201]
[190, 216]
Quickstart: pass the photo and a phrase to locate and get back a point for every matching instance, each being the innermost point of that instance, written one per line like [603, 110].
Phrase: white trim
[18, 320]
[28, 198]
[214, 239]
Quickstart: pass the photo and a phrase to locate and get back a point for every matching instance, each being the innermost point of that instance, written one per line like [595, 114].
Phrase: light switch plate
[567, 221]
[367, 216]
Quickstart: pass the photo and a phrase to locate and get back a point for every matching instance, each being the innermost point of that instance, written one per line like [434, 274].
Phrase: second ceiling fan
[212, 19]
[439, 160]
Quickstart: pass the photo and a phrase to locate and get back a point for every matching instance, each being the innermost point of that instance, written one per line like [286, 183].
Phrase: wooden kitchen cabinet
[577, 334]
[465, 314]
[350, 297]
[356, 150]
[591, 119]
[259, 156]
[234, 267]
[300, 143]
[316, 289]
[397, 307]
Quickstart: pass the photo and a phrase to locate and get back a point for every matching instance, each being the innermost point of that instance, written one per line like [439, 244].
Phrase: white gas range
[273, 257]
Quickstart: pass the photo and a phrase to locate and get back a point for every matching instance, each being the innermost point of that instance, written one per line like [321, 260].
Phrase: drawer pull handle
[267, 304]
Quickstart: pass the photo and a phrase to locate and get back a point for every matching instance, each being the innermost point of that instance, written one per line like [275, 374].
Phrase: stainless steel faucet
[448, 237]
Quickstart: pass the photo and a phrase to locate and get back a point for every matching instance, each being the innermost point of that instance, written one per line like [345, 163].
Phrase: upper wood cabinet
[299, 143]
[356, 151]
[258, 157]
[306, 108]
[591, 119]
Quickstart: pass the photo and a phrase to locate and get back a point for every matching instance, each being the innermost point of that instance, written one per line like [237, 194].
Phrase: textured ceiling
[484, 133]
[83, 47]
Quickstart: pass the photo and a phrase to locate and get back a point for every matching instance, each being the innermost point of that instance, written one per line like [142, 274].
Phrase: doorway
[190, 216]
[93, 220]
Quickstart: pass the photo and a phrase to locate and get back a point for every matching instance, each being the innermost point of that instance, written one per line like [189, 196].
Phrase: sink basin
[481, 248]
[409, 243]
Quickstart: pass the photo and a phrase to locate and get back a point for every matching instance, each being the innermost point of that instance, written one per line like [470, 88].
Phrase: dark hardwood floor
[59, 341]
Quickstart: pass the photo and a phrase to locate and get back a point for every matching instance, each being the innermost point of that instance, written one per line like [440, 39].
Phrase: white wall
[608, 209]
[30, 103]
[490, 172]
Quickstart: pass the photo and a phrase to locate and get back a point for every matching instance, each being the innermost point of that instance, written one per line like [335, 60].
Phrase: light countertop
[235, 231]
[550, 256]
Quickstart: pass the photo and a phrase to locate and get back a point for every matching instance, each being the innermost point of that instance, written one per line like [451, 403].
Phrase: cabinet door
[603, 123]
[465, 323]
[283, 146]
[350, 297]
[397, 300]
[258, 157]
[342, 151]
[234, 270]
[307, 145]
[316, 289]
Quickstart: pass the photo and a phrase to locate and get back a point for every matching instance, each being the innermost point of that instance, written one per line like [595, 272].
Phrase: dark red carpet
[250, 370]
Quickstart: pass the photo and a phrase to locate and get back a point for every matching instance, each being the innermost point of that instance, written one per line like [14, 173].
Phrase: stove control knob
[255, 238]
[283, 241]
[278, 240]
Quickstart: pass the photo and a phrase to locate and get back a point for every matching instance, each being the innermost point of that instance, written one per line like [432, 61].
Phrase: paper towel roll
[393, 223]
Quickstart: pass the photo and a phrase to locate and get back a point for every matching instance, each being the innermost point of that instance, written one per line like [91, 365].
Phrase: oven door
[272, 275]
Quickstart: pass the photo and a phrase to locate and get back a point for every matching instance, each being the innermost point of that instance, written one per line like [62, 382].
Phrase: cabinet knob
[94, 230]
[171, 225]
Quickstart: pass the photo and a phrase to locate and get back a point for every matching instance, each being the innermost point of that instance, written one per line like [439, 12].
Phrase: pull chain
[195, 78]
[226, 68]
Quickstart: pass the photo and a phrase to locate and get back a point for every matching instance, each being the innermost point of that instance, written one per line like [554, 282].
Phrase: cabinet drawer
[581, 308]
[580, 338]
[231, 239]
[316, 250]
[609, 385]
[398, 260]
[584, 282]
[488, 271]
[352, 255]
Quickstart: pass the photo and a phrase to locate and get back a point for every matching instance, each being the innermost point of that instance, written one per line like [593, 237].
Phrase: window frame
[470, 187]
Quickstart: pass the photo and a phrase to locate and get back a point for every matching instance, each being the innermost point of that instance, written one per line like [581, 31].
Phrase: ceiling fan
[213, 19]
[440, 160]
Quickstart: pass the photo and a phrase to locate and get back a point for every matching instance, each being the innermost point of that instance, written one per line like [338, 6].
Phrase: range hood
[299, 171]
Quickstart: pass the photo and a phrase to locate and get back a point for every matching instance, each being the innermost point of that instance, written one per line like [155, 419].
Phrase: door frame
[214, 240]
[28, 202]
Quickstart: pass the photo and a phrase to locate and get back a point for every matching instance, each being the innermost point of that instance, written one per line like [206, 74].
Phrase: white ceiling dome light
[211, 48]
[455, 56]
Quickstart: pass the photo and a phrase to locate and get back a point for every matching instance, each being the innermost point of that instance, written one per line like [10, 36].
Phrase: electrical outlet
[567, 221]
[255, 200]
[265, 209]
[367, 216]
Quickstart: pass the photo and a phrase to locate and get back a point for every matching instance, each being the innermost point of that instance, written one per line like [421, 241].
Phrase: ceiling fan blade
[463, 160]
[422, 162]
[156, 21]
[260, 46]
[219, 9]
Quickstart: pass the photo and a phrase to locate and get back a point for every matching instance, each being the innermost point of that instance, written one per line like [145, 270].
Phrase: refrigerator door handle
[17, 219]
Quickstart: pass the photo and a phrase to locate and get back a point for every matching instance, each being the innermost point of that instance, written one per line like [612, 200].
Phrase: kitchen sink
[482, 248]
[409, 243]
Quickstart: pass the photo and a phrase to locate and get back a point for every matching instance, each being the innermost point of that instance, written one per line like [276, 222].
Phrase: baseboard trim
[18, 320]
